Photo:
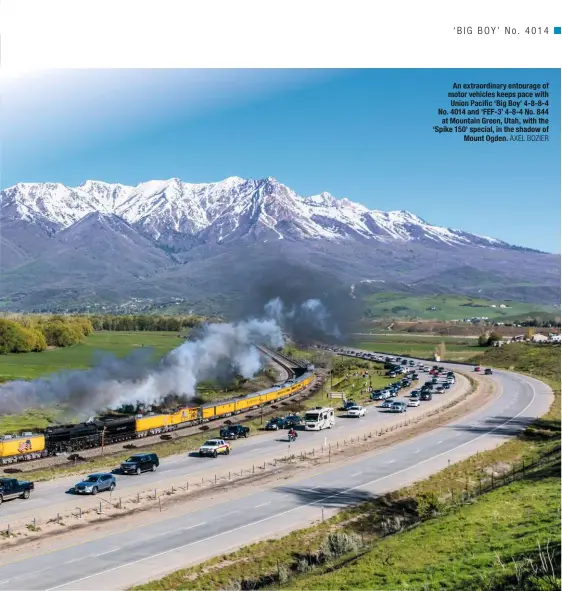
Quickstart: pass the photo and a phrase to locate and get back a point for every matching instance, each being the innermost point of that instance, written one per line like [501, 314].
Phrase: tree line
[144, 322]
[37, 333]
[26, 333]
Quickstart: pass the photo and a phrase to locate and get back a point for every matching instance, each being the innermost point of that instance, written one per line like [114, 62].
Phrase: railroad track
[289, 366]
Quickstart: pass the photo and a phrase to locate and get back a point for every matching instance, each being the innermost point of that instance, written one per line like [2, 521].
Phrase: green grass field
[34, 365]
[447, 307]
[456, 349]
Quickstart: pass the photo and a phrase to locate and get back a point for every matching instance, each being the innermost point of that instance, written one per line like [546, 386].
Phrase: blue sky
[362, 134]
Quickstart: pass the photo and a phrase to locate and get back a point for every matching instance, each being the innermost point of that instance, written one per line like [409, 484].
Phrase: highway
[55, 494]
[145, 552]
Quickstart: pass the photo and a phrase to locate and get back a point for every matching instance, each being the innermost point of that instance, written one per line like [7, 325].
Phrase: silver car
[95, 483]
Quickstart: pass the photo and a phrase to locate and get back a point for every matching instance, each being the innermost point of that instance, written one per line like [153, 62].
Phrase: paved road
[121, 559]
[55, 495]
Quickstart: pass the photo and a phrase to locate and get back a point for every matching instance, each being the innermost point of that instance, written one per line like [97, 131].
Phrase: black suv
[140, 463]
[234, 431]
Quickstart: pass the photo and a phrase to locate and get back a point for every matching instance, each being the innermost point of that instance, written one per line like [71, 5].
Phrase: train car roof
[253, 394]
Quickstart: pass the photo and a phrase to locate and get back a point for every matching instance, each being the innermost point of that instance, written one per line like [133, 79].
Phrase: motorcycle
[292, 437]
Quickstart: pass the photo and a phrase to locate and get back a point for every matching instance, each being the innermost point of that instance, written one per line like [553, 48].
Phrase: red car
[477, 368]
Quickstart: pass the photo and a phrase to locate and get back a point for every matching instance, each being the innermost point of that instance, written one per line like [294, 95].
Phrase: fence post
[264, 465]
[58, 518]
[215, 478]
[138, 497]
[120, 503]
[322, 513]
[159, 503]
[9, 530]
[229, 475]
[155, 493]
[35, 522]
[186, 486]
[253, 468]
[100, 507]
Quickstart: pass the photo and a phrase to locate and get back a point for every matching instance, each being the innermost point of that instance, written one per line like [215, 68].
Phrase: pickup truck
[10, 488]
[234, 431]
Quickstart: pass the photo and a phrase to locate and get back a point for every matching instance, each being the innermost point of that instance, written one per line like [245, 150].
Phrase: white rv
[319, 418]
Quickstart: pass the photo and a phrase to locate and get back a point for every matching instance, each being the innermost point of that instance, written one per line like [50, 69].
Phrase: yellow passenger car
[21, 447]
[152, 424]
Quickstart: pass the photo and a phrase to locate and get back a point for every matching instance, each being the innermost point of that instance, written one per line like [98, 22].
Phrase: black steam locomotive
[96, 433]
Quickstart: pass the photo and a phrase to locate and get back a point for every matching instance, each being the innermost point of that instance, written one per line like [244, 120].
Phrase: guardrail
[116, 505]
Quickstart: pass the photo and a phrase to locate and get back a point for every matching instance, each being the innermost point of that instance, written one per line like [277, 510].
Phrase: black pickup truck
[10, 488]
[234, 431]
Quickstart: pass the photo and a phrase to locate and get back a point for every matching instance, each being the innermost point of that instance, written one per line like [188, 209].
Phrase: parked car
[415, 376]
[377, 395]
[214, 447]
[447, 386]
[477, 368]
[347, 405]
[426, 395]
[95, 483]
[292, 421]
[274, 424]
[414, 394]
[356, 411]
[439, 389]
[140, 463]
[413, 402]
[387, 404]
[234, 431]
[488, 372]
[11, 488]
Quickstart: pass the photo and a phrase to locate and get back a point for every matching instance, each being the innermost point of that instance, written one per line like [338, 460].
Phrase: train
[60, 439]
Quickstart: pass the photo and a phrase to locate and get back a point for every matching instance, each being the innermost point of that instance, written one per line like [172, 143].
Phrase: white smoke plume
[113, 382]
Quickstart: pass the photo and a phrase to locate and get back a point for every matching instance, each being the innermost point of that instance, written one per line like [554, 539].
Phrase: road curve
[131, 557]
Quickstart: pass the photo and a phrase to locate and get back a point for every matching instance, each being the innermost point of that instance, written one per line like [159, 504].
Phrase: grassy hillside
[499, 531]
[540, 360]
[447, 307]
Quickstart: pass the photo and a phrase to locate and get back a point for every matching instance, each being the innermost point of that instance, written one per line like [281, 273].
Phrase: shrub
[338, 544]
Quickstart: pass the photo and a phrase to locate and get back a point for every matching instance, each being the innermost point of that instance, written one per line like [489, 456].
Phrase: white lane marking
[391, 461]
[356, 474]
[439, 442]
[4, 582]
[296, 508]
[458, 435]
[193, 526]
[417, 451]
[263, 505]
[107, 552]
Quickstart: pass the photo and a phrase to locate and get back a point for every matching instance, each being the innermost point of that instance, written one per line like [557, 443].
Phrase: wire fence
[116, 504]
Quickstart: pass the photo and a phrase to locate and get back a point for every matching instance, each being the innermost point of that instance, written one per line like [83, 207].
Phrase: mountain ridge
[108, 242]
[215, 208]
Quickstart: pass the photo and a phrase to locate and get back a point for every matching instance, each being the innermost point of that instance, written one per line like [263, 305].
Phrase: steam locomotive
[100, 432]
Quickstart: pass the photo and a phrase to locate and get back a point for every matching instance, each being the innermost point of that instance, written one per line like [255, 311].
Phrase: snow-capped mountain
[222, 212]
[236, 240]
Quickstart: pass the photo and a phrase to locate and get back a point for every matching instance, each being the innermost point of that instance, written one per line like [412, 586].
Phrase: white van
[319, 418]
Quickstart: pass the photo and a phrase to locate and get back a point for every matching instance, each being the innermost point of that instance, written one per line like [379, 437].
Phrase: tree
[484, 339]
[494, 338]
[530, 333]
